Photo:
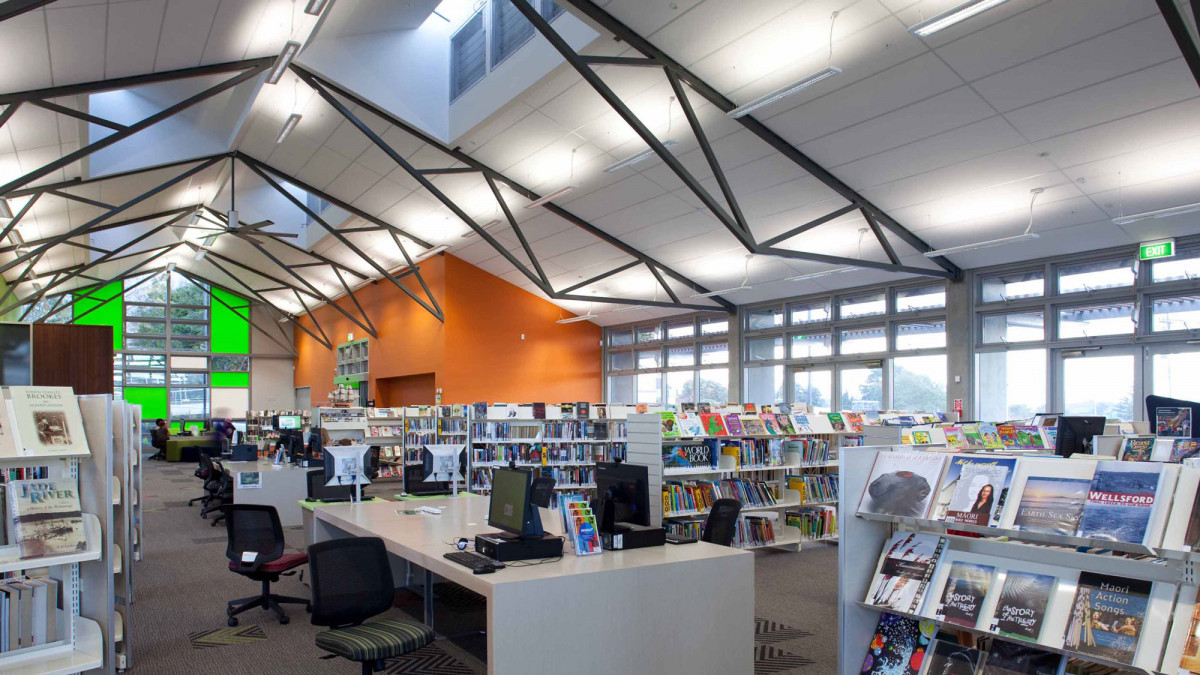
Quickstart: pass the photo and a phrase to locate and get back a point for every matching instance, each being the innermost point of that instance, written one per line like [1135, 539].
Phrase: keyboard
[470, 559]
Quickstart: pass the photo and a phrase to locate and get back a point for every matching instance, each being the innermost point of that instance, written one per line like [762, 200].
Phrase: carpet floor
[183, 583]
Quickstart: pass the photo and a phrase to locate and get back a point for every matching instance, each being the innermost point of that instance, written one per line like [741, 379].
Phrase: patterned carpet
[183, 581]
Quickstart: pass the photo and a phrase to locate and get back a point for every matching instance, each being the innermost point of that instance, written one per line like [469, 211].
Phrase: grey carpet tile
[210, 540]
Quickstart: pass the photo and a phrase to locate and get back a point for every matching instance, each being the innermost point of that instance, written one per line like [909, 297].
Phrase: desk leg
[429, 598]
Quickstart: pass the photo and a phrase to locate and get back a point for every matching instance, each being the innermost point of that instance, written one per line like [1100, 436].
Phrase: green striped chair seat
[375, 641]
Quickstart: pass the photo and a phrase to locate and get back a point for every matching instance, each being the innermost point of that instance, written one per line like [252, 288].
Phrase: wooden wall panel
[80, 357]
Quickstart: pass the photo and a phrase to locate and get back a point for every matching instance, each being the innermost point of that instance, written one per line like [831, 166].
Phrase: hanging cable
[832, 20]
[1033, 195]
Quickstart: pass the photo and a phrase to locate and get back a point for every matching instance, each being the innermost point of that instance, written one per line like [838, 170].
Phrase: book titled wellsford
[1120, 501]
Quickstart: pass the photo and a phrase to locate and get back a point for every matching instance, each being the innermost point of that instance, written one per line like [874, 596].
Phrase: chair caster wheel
[283, 620]
[232, 621]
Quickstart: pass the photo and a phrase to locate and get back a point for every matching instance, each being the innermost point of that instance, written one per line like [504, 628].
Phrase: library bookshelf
[793, 466]
[1167, 625]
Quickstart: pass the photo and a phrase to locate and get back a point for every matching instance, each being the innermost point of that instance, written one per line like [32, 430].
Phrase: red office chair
[256, 528]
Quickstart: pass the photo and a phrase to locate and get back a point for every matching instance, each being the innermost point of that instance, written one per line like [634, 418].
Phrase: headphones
[461, 543]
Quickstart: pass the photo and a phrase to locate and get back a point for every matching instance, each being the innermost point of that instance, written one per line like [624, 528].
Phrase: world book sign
[1154, 250]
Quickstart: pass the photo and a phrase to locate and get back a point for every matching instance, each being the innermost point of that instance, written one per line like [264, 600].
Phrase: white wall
[271, 383]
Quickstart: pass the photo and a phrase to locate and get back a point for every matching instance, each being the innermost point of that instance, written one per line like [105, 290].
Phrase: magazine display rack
[126, 425]
[96, 599]
[646, 447]
[135, 449]
[1163, 628]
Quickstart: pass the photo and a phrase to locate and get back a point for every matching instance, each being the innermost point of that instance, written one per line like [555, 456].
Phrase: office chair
[205, 473]
[541, 491]
[721, 524]
[256, 527]
[221, 492]
[343, 601]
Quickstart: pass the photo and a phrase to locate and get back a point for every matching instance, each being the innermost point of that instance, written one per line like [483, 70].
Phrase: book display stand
[787, 479]
[1127, 605]
[127, 520]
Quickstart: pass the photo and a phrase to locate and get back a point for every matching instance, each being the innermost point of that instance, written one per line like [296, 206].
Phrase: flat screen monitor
[623, 491]
[365, 464]
[1075, 434]
[16, 366]
[289, 422]
[318, 490]
[511, 509]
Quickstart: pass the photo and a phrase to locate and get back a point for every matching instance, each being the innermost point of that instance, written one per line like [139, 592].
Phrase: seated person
[159, 436]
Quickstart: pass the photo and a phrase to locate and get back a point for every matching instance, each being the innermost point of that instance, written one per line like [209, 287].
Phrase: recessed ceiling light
[634, 159]
[550, 197]
[472, 233]
[952, 16]
[288, 125]
[783, 92]
[1161, 213]
[282, 61]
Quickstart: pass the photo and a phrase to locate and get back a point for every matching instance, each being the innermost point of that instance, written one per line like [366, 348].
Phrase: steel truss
[1179, 30]
[730, 217]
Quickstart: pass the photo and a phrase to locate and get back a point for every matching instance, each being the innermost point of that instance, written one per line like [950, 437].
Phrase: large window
[468, 56]
[674, 362]
[504, 28]
[1107, 331]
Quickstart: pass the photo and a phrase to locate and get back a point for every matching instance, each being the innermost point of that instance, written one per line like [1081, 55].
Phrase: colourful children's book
[712, 424]
[785, 424]
[1008, 436]
[769, 423]
[753, 426]
[838, 423]
[991, 437]
[733, 422]
[670, 427]
[801, 424]
[955, 439]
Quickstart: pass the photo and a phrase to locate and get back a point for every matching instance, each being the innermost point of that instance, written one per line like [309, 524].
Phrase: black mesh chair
[205, 473]
[256, 528]
[221, 493]
[541, 491]
[343, 600]
[721, 524]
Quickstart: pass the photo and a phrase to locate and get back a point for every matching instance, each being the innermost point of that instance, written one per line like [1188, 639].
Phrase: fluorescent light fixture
[472, 233]
[817, 275]
[1028, 236]
[5, 209]
[288, 125]
[285, 318]
[315, 7]
[431, 252]
[576, 319]
[282, 61]
[170, 267]
[199, 254]
[952, 16]
[723, 291]
[630, 308]
[550, 197]
[1161, 213]
[233, 219]
[634, 159]
[784, 92]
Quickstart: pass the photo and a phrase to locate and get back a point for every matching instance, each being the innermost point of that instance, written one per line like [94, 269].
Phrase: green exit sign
[1154, 250]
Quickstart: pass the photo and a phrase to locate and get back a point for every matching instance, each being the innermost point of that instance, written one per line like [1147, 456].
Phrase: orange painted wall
[407, 390]
[476, 355]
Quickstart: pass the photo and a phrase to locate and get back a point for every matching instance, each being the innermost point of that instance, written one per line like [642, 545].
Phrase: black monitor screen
[16, 369]
[510, 499]
[317, 489]
[626, 487]
[1075, 434]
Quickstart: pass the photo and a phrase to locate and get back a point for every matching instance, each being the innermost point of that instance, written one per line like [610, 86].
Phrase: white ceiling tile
[25, 59]
[77, 43]
[232, 30]
[324, 166]
[133, 35]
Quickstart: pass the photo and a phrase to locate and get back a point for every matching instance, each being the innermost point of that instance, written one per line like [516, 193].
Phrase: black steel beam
[77, 114]
[17, 7]
[136, 269]
[118, 136]
[627, 301]
[317, 324]
[76, 182]
[811, 224]
[449, 170]
[77, 198]
[322, 339]
[159, 250]
[236, 310]
[622, 32]
[512, 222]
[603, 275]
[663, 283]
[9, 112]
[619, 61]
[881, 237]
[135, 80]
[856, 262]
[8, 228]
[610, 97]
[8, 248]
[320, 259]
[1179, 31]
[515, 186]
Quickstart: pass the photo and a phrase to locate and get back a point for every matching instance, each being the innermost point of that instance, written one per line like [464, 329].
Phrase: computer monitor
[415, 476]
[1075, 434]
[318, 490]
[365, 463]
[511, 509]
[289, 422]
[623, 495]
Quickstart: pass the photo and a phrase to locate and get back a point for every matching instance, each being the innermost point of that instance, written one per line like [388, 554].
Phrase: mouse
[497, 565]
[484, 570]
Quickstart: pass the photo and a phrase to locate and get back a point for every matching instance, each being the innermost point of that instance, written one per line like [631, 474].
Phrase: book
[750, 409]
[955, 438]
[8, 441]
[950, 658]
[1189, 659]
[1136, 449]
[921, 438]
[990, 436]
[854, 422]
[1028, 437]
[1049, 437]
[785, 424]
[898, 646]
[713, 424]
[1120, 501]
[733, 422]
[1107, 616]
[1022, 605]
[905, 567]
[972, 436]
[962, 597]
[1011, 658]
[582, 410]
[539, 411]
[902, 483]
[689, 424]
[1008, 436]
[1184, 448]
[45, 518]
[670, 428]
[1173, 422]
[1052, 505]
[769, 423]
[978, 487]
[836, 420]
[47, 420]
[753, 426]
[801, 424]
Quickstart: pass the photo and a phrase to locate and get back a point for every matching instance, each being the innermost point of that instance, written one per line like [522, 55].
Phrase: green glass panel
[230, 331]
[152, 399]
[230, 379]
[107, 314]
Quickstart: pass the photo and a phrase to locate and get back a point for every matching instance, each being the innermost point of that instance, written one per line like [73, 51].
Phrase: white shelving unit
[96, 605]
[1167, 620]
[126, 427]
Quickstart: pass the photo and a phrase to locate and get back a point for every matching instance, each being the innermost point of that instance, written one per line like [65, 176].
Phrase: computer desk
[666, 609]
[282, 486]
